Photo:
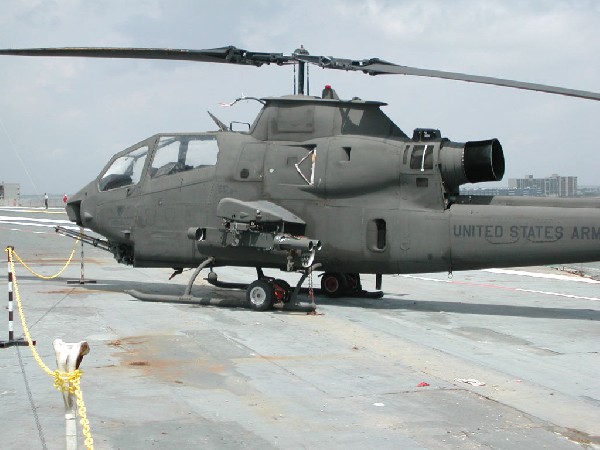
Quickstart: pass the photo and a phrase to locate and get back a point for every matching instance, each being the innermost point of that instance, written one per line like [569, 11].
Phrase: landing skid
[225, 303]
[262, 294]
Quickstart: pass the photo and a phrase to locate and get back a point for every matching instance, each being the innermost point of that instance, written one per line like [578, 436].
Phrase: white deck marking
[495, 286]
[543, 275]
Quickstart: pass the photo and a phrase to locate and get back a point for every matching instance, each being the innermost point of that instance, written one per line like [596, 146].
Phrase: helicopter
[319, 183]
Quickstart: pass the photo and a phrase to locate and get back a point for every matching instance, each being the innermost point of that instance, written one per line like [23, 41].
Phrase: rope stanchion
[11, 331]
[66, 382]
[82, 279]
[50, 277]
[68, 358]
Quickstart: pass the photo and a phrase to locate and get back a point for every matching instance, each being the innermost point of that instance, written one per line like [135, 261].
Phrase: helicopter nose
[76, 208]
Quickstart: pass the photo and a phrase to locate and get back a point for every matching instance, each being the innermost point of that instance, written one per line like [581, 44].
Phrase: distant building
[552, 186]
[504, 191]
[10, 194]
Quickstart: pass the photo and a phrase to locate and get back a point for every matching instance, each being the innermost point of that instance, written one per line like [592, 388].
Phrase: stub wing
[258, 231]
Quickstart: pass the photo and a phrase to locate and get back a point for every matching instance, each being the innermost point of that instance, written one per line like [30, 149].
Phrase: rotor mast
[301, 68]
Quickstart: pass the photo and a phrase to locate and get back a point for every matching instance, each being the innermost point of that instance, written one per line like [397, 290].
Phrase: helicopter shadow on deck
[235, 298]
[460, 307]
[154, 288]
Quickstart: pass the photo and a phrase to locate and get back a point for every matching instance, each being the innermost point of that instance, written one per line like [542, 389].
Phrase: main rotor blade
[405, 70]
[228, 54]
[380, 67]
[234, 55]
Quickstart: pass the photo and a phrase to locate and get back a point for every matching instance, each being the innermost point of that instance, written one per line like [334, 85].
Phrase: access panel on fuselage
[294, 171]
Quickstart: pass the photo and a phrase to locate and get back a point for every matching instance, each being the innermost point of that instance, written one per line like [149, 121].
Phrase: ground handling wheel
[260, 295]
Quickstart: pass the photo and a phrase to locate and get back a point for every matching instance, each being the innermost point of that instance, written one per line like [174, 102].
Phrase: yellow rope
[51, 276]
[63, 381]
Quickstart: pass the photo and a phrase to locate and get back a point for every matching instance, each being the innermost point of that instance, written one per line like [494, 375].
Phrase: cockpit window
[125, 170]
[181, 153]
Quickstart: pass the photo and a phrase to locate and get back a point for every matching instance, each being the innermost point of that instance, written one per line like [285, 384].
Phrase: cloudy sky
[62, 118]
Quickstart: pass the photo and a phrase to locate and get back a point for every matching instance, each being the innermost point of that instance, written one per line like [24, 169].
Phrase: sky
[61, 119]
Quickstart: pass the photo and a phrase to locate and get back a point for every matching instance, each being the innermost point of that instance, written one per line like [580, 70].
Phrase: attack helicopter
[320, 183]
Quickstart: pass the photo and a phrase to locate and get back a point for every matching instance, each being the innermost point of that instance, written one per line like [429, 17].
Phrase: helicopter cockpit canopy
[170, 154]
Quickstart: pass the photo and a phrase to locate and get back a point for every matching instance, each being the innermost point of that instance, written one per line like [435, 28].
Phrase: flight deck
[498, 359]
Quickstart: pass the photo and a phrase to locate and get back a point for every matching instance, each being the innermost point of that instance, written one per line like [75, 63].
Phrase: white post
[82, 278]
[68, 358]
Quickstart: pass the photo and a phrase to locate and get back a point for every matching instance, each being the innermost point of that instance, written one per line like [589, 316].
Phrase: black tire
[259, 295]
[353, 282]
[280, 285]
[332, 284]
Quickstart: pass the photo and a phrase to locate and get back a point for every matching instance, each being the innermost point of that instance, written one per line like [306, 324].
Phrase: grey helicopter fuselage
[334, 178]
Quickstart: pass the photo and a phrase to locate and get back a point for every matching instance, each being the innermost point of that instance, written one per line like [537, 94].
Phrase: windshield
[126, 170]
